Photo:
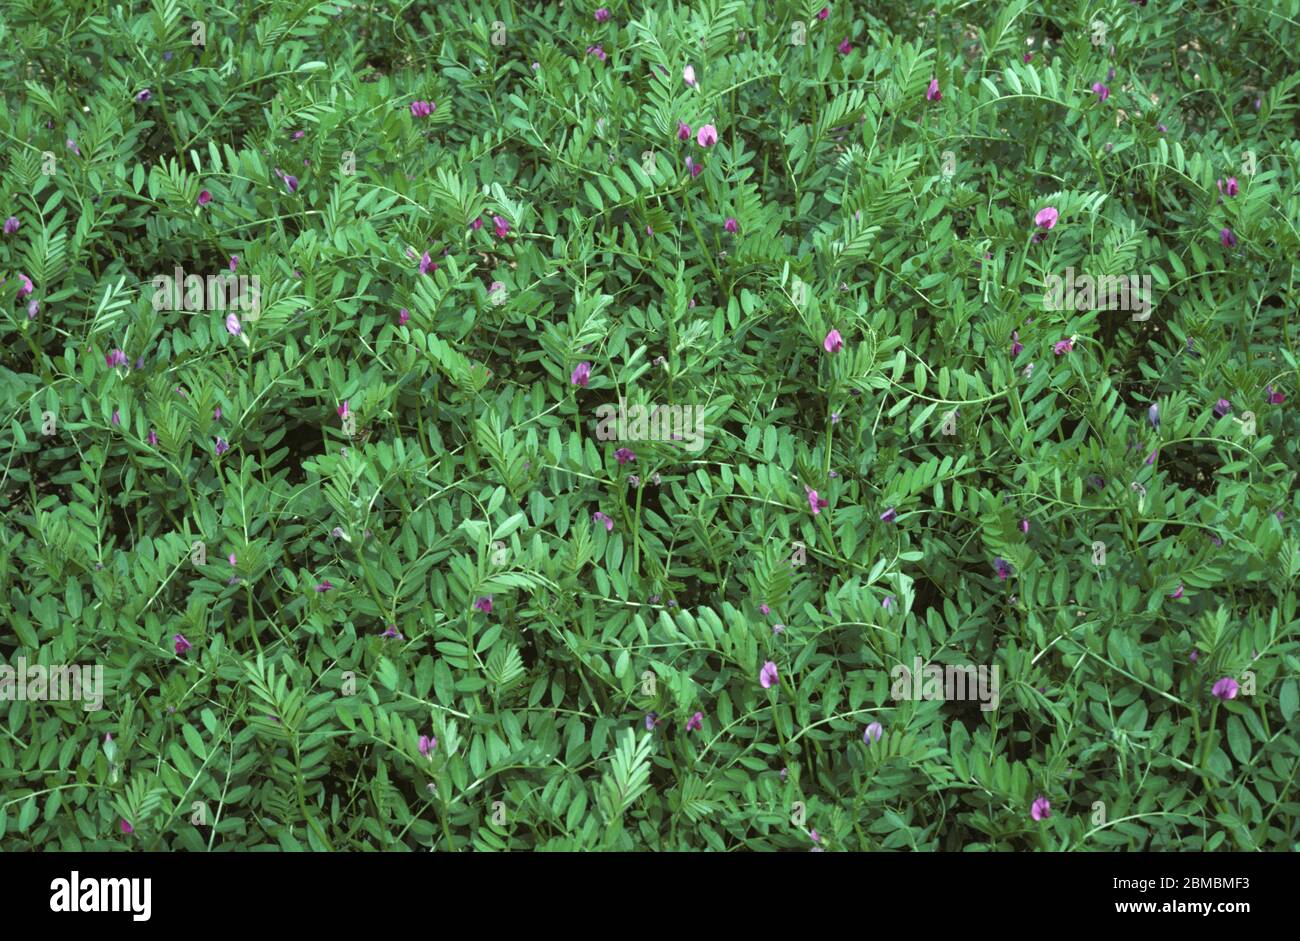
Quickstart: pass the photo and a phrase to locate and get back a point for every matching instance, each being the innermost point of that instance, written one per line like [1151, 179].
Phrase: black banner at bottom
[145, 891]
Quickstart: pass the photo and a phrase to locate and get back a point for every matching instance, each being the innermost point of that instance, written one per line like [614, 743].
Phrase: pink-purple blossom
[1046, 217]
[1226, 689]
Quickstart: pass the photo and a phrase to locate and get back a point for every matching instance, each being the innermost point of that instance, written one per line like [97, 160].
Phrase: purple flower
[1100, 90]
[932, 92]
[72, 146]
[422, 109]
[27, 287]
[1063, 346]
[1016, 345]
[298, 135]
[144, 95]
[602, 15]
[11, 225]
[427, 745]
[1228, 187]
[707, 136]
[33, 308]
[778, 628]
[596, 51]
[833, 342]
[392, 632]
[815, 501]
[1153, 416]
[1024, 527]
[204, 197]
[764, 610]
[216, 413]
[1226, 689]
[688, 75]
[683, 131]
[623, 455]
[427, 264]
[324, 586]
[695, 722]
[888, 603]
[889, 515]
[731, 225]
[1041, 809]
[1222, 407]
[1046, 218]
[115, 358]
[873, 733]
[1151, 458]
[153, 437]
[484, 604]
[291, 182]
[343, 410]
[1194, 656]
[1227, 238]
[234, 262]
[127, 829]
[1177, 593]
[1003, 568]
[232, 325]
[599, 517]
[823, 13]
[696, 169]
[222, 446]
[117, 418]
[182, 645]
[767, 677]
[651, 720]
[403, 316]
[1275, 398]
[581, 375]
[845, 48]
[501, 226]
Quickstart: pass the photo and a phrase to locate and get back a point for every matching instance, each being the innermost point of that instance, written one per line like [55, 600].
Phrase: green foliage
[366, 569]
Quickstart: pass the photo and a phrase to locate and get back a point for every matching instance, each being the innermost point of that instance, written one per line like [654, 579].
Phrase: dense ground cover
[605, 406]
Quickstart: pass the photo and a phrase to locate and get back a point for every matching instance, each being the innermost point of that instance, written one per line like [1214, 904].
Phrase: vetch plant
[383, 405]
